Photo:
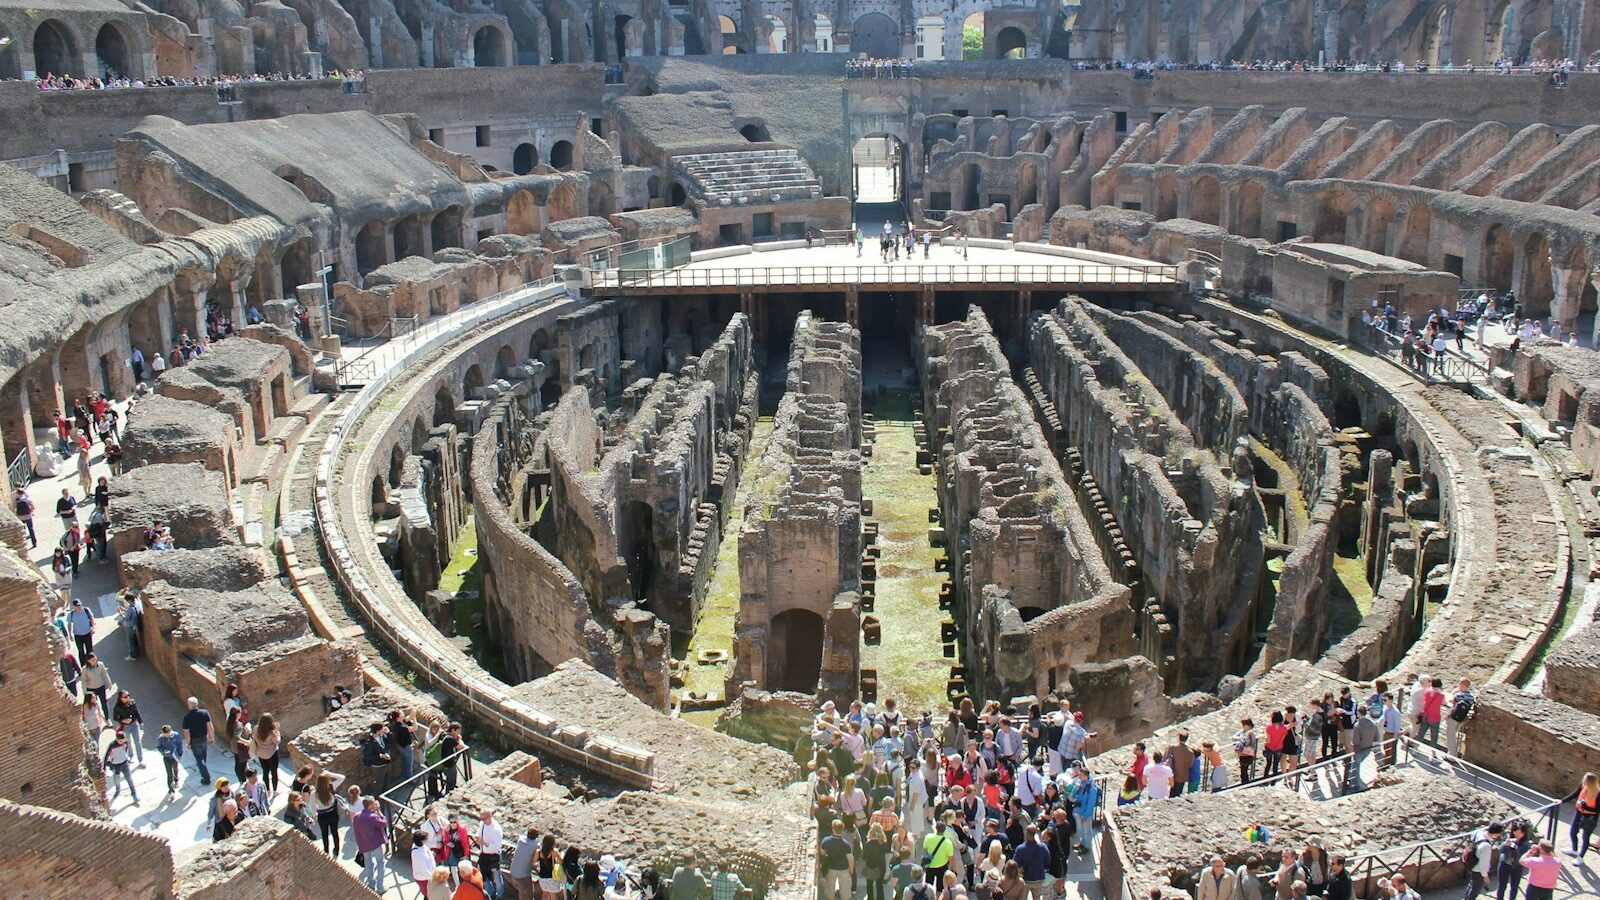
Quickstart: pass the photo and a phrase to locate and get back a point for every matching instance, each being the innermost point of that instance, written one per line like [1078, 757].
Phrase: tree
[972, 42]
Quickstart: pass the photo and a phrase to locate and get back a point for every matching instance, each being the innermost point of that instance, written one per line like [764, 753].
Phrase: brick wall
[290, 681]
[42, 851]
[48, 753]
[264, 860]
[1532, 740]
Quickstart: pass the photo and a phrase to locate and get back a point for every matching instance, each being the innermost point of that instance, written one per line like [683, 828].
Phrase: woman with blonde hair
[439, 884]
[1586, 810]
[853, 808]
[994, 861]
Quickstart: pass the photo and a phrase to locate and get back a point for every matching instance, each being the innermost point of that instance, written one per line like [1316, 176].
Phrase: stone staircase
[752, 176]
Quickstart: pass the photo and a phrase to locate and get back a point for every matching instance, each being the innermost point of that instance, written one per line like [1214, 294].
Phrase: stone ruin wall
[1278, 415]
[536, 610]
[801, 545]
[1193, 525]
[1013, 521]
[595, 538]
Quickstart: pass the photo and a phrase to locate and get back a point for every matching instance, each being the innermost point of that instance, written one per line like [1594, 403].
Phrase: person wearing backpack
[1476, 858]
[918, 889]
[1460, 709]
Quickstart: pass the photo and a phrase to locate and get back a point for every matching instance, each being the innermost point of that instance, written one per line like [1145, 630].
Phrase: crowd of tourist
[223, 83]
[1557, 70]
[999, 803]
[987, 804]
[1426, 347]
[879, 68]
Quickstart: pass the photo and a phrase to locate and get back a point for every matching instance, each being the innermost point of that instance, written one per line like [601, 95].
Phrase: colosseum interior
[542, 367]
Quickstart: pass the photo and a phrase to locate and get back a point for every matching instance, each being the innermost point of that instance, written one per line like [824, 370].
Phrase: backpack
[1461, 709]
[371, 752]
[1469, 856]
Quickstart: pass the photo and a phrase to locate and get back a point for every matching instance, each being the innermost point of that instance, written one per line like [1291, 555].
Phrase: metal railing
[1450, 366]
[20, 469]
[364, 367]
[400, 326]
[1009, 274]
[400, 803]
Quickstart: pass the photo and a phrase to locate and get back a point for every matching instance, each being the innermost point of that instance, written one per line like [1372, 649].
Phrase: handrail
[20, 469]
[396, 801]
[935, 274]
[349, 371]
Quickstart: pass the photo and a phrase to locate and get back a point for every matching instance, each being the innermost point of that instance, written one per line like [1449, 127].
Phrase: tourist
[875, 860]
[22, 504]
[687, 882]
[422, 862]
[1585, 812]
[1244, 747]
[488, 837]
[1314, 867]
[1248, 879]
[938, 849]
[522, 864]
[457, 843]
[62, 567]
[252, 795]
[1461, 703]
[1508, 867]
[1480, 850]
[1393, 728]
[1402, 890]
[1158, 778]
[1432, 711]
[82, 628]
[371, 831]
[1073, 738]
[170, 745]
[1033, 858]
[1180, 758]
[97, 681]
[297, 817]
[545, 863]
[326, 804]
[118, 761]
[198, 725]
[1217, 882]
[1366, 735]
[125, 715]
[438, 884]
[1544, 868]
[267, 745]
[227, 820]
[1085, 800]
[469, 882]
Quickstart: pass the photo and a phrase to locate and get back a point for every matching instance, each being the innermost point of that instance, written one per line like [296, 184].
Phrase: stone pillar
[425, 46]
[375, 46]
[852, 307]
[1567, 286]
[841, 651]
[191, 304]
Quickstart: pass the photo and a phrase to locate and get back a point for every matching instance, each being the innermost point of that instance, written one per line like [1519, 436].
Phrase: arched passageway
[794, 653]
[1010, 43]
[561, 155]
[876, 35]
[54, 51]
[112, 53]
[489, 47]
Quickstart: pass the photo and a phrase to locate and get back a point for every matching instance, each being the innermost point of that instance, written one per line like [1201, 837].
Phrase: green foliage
[972, 42]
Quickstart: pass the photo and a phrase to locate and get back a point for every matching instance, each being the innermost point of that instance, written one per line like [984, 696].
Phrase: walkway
[908, 660]
[713, 630]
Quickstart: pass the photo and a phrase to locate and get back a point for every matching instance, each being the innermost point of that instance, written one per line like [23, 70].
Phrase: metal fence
[405, 804]
[1449, 366]
[20, 469]
[999, 275]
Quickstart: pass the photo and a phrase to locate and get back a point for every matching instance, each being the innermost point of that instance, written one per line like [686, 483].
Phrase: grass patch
[911, 667]
[462, 576]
